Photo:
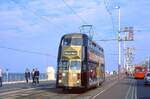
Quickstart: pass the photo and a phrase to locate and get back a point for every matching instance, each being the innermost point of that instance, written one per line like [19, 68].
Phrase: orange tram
[139, 72]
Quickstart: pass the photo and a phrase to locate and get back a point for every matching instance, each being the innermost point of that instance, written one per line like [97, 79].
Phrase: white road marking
[104, 90]
[133, 89]
[136, 91]
[126, 97]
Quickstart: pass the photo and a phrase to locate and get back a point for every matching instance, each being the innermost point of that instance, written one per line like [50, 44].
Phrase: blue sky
[37, 25]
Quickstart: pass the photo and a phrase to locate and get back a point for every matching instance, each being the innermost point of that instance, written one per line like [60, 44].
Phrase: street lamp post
[119, 41]
[148, 64]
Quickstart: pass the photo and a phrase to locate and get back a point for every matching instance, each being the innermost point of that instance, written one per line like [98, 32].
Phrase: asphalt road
[143, 91]
[19, 86]
[123, 89]
[126, 88]
[47, 90]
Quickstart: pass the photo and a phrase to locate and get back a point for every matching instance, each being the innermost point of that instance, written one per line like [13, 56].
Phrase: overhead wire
[32, 11]
[105, 40]
[110, 14]
[67, 5]
[27, 51]
[41, 17]
[112, 21]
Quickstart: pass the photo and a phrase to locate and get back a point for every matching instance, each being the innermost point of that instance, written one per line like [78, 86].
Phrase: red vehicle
[139, 72]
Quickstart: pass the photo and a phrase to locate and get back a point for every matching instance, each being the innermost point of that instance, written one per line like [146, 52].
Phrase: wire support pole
[119, 40]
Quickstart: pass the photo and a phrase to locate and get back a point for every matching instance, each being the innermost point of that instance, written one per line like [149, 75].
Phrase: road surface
[126, 88]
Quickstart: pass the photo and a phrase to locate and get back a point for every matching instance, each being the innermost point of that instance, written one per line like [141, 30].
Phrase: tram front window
[75, 65]
[76, 41]
[139, 70]
[72, 41]
[67, 41]
[64, 65]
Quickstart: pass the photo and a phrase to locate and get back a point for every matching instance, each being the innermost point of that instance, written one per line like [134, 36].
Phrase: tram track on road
[19, 91]
[50, 92]
[92, 93]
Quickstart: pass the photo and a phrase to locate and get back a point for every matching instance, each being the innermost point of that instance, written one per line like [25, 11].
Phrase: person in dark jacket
[37, 74]
[0, 77]
[27, 75]
[33, 76]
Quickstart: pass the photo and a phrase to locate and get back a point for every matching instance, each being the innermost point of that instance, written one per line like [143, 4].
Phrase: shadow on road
[61, 91]
[144, 98]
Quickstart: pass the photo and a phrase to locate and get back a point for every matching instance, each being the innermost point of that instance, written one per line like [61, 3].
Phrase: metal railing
[12, 77]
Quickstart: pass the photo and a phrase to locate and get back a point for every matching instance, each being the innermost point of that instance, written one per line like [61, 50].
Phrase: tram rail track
[53, 93]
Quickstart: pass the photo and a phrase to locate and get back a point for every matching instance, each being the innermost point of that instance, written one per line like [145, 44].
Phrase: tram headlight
[60, 81]
[74, 75]
[63, 74]
[78, 81]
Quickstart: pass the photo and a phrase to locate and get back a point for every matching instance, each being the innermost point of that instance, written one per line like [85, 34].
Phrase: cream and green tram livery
[80, 62]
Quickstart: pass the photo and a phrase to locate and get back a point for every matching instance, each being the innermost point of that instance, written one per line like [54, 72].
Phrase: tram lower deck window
[64, 65]
[75, 65]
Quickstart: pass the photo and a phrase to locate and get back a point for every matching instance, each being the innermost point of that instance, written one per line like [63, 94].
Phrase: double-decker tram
[80, 62]
[139, 72]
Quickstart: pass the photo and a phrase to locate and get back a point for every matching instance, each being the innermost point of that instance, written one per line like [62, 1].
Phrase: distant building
[51, 73]
[111, 73]
[107, 73]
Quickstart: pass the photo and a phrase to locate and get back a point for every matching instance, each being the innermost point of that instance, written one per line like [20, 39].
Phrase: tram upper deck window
[72, 41]
[67, 41]
[75, 65]
[76, 41]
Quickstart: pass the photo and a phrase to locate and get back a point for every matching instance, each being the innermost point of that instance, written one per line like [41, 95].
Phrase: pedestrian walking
[37, 74]
[0, 77]
[27, 75]
[33, 76]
